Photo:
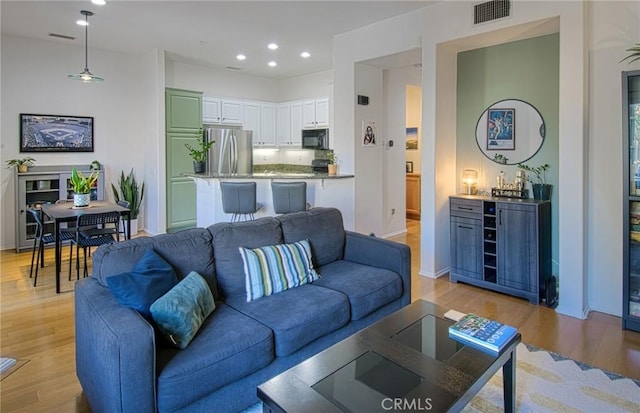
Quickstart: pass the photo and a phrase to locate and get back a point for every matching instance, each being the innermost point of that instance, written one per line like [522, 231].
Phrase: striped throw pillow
[271, 269]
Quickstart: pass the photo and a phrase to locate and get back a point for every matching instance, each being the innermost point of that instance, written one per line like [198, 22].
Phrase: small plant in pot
[82, 187]
[333, 163]
[132, 192]
[199, 153]
[22, 164]
[541, 189]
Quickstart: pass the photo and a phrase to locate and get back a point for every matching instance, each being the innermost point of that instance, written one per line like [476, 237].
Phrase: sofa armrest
[115, 352]
[381, 253]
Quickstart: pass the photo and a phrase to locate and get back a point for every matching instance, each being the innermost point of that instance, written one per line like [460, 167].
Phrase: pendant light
[86, 76]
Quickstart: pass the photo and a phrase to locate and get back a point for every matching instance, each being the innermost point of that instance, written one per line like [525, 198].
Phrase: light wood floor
[37, 327]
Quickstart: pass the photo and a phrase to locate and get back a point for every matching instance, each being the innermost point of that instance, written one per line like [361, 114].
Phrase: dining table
[65, 212]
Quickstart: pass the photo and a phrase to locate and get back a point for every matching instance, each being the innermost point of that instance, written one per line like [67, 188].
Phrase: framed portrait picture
[412, 138]
[501, 129]
[55, 133]
[368, 133]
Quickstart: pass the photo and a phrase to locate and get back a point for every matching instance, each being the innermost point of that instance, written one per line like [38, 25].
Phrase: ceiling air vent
[491, 10]
[233, 68]
[62, 36]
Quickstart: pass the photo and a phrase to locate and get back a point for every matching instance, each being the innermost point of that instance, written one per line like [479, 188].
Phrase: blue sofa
[125, 366]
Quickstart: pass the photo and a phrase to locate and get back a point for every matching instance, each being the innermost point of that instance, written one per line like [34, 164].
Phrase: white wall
[439, 27]
[613, 28]
[34, 80]
[397, 109]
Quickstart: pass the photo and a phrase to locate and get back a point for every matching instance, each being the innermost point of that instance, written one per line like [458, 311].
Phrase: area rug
[549, 382]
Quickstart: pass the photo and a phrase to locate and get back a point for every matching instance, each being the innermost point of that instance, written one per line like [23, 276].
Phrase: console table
[502, 244]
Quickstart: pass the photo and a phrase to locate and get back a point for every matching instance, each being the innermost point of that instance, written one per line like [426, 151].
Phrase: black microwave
[315, 138]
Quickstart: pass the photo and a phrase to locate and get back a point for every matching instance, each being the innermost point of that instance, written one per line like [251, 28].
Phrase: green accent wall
[527, 70]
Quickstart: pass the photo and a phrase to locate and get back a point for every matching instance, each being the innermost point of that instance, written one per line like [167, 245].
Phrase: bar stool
[289, 197]
[239, 199]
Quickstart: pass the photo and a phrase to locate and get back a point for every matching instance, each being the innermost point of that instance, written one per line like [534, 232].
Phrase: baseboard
[393, 234]
[435, 275]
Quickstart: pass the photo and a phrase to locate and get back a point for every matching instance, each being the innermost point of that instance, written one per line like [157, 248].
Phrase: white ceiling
[209, 33]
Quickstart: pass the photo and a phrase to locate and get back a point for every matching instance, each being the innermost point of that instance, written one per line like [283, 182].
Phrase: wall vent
[491, 10]
[62, 36]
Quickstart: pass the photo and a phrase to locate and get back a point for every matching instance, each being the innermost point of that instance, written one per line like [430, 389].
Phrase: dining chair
[124, 204]
[289, 197]
[239, 199]
[40, 240]
[108, 221]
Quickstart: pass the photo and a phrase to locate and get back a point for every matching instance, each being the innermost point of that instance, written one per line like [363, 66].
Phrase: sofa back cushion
[322, 227]
[186, 251]
[228, 238]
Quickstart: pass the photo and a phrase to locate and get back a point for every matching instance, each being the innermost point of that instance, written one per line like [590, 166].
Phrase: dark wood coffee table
[404, 362]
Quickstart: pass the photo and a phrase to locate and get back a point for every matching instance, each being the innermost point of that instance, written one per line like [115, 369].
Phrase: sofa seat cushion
[297, 316]
[228, 346]
[368, 288]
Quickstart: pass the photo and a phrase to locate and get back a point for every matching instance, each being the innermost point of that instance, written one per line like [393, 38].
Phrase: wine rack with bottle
[501, 244]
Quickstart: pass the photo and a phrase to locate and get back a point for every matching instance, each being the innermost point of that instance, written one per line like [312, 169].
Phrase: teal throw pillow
[181, 311]
[149, 280]
[271, 269]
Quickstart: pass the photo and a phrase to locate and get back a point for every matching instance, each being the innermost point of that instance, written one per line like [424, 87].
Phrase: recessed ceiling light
[82, 22]
[272, 46]
[272, 64]
[99, 2]
[241, 57]
[305, 54]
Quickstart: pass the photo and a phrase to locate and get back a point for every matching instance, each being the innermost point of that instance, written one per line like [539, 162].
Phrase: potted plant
[199, 153]
[635, 54]
[132, 192]
[82, 187]
[332, 166]
[22, 164]
[541, 189]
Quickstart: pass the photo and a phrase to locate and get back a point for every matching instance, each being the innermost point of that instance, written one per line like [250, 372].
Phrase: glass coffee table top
[363, 384]
[406, 358]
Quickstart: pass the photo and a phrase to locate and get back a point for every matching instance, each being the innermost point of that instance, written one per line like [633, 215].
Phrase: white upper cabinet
[222, 111]
[273, 125]
[315, 113]
[232, 112]
[322, 113]
[268, 124]
[210, 110]
[296, 125]
[260, 118]
[252, 121]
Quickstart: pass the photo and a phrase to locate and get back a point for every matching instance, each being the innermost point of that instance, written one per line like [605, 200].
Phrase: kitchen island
[323, 190]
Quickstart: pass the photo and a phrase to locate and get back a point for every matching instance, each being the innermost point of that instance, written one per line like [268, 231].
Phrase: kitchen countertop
[270, 175]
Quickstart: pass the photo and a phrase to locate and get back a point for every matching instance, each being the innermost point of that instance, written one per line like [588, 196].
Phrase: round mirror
[510, 132]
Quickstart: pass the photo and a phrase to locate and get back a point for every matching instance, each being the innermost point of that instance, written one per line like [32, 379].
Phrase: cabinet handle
[500, 216]
[462, 226]
[465, 208]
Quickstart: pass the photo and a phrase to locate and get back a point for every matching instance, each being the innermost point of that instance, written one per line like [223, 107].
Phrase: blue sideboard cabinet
[501, 244]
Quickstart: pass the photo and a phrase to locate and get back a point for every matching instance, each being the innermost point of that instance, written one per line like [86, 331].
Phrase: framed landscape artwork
[55, 133]
[501, 129]
[412, 138]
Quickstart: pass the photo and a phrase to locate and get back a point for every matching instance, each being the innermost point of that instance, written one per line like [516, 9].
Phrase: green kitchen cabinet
[183, 124]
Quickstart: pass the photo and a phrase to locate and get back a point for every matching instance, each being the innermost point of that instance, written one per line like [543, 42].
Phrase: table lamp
[470, 181]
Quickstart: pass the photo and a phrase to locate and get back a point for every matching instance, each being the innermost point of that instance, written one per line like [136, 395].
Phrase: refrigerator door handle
[234, 154]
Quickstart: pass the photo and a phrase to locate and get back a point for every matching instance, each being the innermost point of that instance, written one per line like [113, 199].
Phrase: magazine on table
[482, 333]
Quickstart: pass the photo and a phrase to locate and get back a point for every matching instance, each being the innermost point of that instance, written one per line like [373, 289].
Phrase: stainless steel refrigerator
[232, 152]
